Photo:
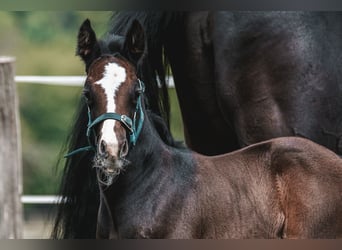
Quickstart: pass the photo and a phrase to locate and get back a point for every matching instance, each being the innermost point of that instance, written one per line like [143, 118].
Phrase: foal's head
[113, 95]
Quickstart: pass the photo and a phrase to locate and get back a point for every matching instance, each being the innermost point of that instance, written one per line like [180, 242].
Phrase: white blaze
[113, 76]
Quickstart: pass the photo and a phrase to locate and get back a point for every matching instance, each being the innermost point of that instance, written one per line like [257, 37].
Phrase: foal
[150, 188]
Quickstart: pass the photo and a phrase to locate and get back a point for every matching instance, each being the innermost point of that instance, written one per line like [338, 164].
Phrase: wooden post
[10, 154]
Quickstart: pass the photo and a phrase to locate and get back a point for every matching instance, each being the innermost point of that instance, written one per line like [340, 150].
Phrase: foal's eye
[135, 93]
[138, 88]
[87, 97]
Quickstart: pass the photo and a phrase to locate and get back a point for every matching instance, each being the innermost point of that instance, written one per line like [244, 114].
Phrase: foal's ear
[87, 46]
[134, 43]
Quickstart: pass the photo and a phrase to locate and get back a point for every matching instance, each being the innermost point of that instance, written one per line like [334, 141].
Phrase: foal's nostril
[102, 147]
[124, 149]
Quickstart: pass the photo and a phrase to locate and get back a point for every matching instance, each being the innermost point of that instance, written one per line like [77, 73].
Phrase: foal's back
[286, 187]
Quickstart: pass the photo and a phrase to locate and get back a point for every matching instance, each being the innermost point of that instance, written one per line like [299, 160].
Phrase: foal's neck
[150, 154]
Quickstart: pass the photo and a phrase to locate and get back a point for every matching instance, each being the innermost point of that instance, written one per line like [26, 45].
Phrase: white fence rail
[63, 80]
[52, 80]
[40, 199]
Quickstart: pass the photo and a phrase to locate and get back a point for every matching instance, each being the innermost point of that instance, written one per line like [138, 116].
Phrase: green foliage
[46, 115]
[44, 44]
[44, 26]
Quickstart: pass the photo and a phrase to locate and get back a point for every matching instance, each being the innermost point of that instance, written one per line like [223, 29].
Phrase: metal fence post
[10, 154]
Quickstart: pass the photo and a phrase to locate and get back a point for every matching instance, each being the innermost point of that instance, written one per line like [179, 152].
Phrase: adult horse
[244, 77]
[150, 188]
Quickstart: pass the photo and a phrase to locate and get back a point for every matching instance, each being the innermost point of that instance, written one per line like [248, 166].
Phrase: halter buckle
[127, 122]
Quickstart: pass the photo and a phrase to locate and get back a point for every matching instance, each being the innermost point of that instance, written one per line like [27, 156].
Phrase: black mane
[76, 216]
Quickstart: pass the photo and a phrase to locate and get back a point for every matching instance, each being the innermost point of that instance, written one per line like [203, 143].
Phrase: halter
[133, 126]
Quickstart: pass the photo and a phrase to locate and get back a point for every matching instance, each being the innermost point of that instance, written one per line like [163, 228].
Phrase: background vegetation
[43, 43]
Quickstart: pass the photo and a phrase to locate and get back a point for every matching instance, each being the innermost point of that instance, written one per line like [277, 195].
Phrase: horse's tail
[77, 210]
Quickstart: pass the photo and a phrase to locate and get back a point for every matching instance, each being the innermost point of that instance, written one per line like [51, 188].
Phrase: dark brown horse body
[282, 188]
[150, 188]
[286, 187]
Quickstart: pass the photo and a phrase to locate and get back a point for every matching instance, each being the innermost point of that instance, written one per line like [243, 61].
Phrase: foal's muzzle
[107, 150]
